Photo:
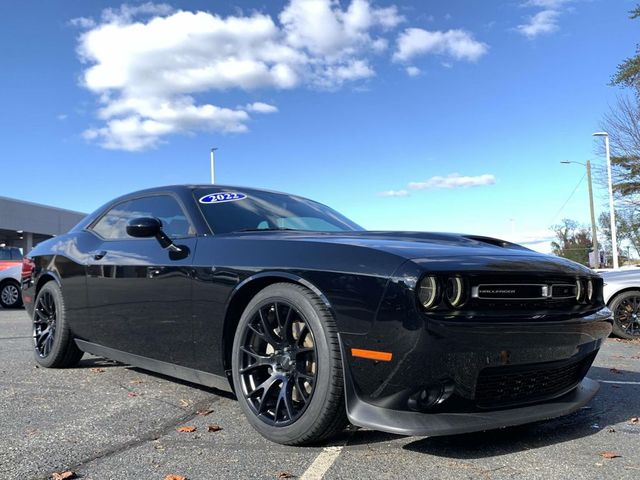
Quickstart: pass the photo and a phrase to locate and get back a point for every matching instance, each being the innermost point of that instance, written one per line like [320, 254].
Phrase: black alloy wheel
[287, 366]
[626, 315]
[44, 323]
[52, 340]
[278, 363]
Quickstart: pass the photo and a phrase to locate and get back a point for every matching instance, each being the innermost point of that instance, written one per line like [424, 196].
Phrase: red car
[10, 257]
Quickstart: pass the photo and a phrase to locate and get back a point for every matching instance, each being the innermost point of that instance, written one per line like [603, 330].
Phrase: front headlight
[455, 291]
[579, 291]
[428, 291]
[590, 290]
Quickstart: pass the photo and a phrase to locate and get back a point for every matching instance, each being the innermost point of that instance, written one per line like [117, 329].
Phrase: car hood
[423, 245]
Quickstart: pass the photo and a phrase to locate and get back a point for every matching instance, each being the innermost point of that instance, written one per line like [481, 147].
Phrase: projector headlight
[428, 291]
[590, 290]
[579, 291]
[455, 291]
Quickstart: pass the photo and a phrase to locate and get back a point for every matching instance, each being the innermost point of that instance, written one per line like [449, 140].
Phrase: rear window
[10, 253]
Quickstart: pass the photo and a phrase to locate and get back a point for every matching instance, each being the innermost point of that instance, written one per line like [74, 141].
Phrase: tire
[53, 348]
[10, 294]
[297, 363]
[626, 314]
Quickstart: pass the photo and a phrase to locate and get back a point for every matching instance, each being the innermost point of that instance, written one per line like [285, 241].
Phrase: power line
[555, 217]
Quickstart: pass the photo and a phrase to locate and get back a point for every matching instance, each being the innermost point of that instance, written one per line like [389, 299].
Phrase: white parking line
[619, 383]
[322, 463]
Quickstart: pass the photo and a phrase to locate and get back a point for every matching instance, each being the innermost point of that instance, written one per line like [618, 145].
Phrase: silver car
[622, 296]
[10, 292]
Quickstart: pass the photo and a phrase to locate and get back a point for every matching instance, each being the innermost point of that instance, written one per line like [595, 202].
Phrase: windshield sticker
[222, 197]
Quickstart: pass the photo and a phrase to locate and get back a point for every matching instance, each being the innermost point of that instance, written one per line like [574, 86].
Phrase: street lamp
[213, 165]
[594, 232]
[612, 212]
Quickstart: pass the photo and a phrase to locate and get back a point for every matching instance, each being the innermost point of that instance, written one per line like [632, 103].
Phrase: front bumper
[458, 354]
[371, 416]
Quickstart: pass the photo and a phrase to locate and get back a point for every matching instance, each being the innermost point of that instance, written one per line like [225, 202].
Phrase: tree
[622, 122]
[627, 228]
[628, 73]
[573, 241]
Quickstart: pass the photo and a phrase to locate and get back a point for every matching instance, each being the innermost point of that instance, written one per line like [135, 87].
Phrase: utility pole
[213, 166]
[594, 233]
[612, 212]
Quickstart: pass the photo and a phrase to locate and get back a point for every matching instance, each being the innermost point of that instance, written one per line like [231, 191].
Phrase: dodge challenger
[314, 322]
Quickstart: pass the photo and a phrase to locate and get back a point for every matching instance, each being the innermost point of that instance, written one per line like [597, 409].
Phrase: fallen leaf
[175, 477]
[615, 370]
[611, 430]
[610, 455]
[63, 475]
[186, 429]
[204, 413]
[136, 381]
[286, 475]
[97, 370]
[132, 394]
[213, 428]
[634, 420]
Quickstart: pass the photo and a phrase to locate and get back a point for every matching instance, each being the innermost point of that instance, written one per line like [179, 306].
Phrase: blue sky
[369, 98]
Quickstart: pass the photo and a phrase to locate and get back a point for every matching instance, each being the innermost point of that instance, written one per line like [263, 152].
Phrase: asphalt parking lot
[105, 420]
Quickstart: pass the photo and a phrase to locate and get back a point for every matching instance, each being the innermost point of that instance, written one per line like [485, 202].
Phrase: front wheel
[53, 344]
[626, 315]
[287, 367]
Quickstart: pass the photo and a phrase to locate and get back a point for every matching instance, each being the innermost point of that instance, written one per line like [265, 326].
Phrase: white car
[10, 291]
[622, 296]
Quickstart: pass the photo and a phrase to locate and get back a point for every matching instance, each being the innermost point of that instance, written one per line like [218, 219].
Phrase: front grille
[512, 385]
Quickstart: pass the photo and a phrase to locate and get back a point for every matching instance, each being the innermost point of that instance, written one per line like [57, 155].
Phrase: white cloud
[413, 71]
[158, 71]
[454, 180]
[458, 44]
[394, 193]
[82, 22]
[261, 107]
[62, 116]
[546, 3]
[543, 22]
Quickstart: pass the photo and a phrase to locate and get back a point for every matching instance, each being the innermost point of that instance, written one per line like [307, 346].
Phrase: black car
[314, 322]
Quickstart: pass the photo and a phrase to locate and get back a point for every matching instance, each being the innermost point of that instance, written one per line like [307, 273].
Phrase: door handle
[98, 254]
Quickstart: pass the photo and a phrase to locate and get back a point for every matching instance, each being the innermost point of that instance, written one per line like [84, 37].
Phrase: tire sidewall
[618, 330]
[325, 366]
[56, 349]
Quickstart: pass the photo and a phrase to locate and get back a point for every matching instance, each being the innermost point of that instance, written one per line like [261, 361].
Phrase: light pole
[612, 212]
[213, 165]
[594, 232]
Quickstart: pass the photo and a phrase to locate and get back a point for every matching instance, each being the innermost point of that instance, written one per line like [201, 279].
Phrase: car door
[139, 296]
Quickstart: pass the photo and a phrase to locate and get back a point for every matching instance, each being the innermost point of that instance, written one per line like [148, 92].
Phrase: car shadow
[614, 404]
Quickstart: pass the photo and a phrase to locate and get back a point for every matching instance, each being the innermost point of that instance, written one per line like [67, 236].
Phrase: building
[25, 224]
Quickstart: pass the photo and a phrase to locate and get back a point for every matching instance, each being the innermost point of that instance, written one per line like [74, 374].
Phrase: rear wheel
[53, 344]
[626, 314]
[10, 296]
[286, 366]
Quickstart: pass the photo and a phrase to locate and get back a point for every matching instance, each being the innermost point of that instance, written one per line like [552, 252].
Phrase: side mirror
[144, 227]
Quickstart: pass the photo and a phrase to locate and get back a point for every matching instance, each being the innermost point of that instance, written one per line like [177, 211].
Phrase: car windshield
[229, 211]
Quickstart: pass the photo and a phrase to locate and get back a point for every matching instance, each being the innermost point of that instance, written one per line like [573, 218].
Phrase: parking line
[322, 463]
[619, 383]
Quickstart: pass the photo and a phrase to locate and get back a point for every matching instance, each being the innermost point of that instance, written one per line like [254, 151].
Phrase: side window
[5, 254]
[16, 254]
[113, 225]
